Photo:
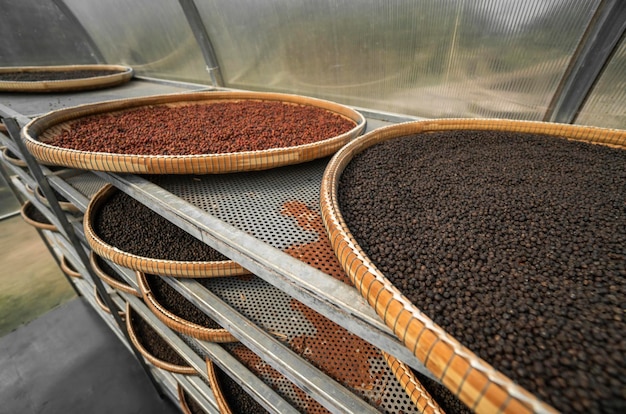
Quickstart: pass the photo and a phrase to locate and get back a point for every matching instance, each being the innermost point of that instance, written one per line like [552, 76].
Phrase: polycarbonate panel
[35, 32]
[605, 106]
[152, 36]
[429, 58]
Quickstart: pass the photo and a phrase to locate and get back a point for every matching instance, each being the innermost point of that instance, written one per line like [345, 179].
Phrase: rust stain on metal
[337, 352]
[275, 379]
[318, 254]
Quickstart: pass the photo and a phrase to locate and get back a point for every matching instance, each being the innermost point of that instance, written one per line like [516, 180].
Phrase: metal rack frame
[329, 297]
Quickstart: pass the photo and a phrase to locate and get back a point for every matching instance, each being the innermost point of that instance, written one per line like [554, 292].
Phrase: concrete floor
[69, 361]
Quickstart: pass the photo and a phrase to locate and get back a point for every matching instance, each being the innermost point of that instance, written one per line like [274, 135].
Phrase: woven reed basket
[474, 381]
[119, 75]
[146, 264]
[177, 323]
[108, 279]
[41, 129]
[159, 363]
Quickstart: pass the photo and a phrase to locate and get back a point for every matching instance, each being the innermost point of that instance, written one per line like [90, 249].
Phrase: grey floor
[69, 361]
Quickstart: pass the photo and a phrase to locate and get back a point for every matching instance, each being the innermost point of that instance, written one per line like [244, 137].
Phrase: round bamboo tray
[37, 224]
[65, 205]
[68, 269]
[185, 401]
[40, 129]
[108, 279]
[177, 323]
[154, 266]
[159, 363]
[422, 399]
[222, 405]
[12, 158]
[474, 381]
[119, 75]
[103, 306]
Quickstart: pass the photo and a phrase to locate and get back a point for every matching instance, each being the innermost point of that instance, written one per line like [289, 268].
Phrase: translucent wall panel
[35, 32]
[606, 105]
[432, 58]
[152, 36]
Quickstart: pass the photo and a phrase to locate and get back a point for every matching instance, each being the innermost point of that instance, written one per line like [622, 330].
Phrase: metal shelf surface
[243, 216]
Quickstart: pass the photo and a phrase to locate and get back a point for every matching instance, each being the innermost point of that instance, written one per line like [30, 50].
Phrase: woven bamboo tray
[103, 306]
[68, 269]
[222, 405]
[37, 132]
[119, 75]
[474, 381]
[12, 158]
[422, 399]
[184, 399]
[159, 363]
[177, 323]
[37, 224]
[108, 279]
[146, 264]
[65, 205]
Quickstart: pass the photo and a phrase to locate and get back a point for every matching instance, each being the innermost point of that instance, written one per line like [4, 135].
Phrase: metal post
[35, 169]
[199, 31]
[594, 51]
[21, 200]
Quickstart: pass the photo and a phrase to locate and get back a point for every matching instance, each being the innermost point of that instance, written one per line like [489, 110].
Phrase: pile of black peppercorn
[236, 397]
[176, 303]
[153, 343]
[125, 223]
[514, 243]
[53, 75]
[34, 214]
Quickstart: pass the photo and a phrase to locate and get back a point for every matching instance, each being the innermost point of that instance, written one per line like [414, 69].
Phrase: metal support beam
[13, 129]
[595, 49]
[199, 31]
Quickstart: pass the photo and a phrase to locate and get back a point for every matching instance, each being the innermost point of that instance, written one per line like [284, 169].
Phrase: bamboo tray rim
[418, 394]
[114, 283]
[157, 362]
[177, 323]
[210, 163]
[364, 274]
[163, 267]
[103, 306]
[68, 268]
[36, 224]
[182, 399]
[220, 398]
[119, 74]
[65, 205]
[12, 158]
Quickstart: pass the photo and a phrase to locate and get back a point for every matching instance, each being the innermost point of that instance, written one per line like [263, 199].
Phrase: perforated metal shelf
[331, 348]
[269, 222]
